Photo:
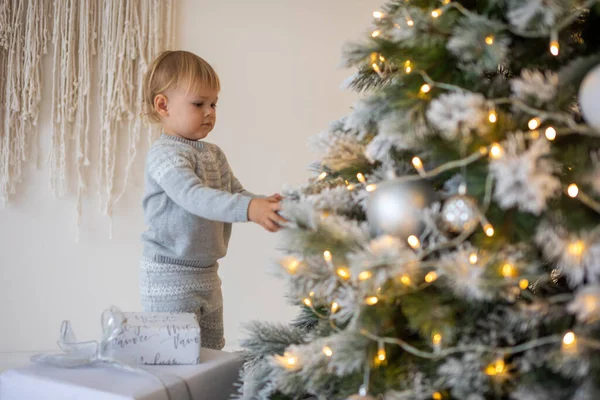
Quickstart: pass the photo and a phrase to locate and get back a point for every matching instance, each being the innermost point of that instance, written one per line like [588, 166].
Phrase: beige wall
[278, 62]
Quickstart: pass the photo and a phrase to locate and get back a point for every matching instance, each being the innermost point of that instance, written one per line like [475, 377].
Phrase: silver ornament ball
[460, 214]
[394, 208]
[589, 97]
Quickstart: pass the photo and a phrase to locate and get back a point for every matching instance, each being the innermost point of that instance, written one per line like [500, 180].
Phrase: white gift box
[158, 338]
[213, 379]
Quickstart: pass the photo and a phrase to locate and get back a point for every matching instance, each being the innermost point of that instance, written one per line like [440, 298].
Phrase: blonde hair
[176, 69]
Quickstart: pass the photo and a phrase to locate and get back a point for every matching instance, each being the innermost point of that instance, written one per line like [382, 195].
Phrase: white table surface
[212, 379]
[14, 359]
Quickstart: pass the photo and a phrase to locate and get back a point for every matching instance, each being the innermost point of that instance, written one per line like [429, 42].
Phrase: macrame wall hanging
[100, 52]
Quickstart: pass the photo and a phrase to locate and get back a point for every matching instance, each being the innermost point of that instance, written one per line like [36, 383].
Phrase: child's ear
[160, 105]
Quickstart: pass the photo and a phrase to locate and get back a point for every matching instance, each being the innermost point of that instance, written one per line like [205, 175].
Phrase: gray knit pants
[177, 288]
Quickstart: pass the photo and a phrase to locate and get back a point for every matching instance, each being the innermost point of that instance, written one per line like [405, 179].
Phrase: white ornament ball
[589, 98]
[394, 208]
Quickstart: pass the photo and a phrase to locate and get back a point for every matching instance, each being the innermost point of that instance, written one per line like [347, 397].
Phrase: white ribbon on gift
[77, 354]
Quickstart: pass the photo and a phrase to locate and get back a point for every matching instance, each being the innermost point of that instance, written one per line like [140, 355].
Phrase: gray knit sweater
[191, 199]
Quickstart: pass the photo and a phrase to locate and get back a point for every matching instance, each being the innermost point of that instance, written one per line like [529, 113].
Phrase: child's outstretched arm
[236, 187]
[262, 210]
[175, 173]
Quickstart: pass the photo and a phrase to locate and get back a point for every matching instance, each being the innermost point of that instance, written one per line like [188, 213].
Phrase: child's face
[190, 115]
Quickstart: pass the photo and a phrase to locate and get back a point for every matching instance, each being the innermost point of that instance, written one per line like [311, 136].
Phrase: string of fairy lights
[541, 121]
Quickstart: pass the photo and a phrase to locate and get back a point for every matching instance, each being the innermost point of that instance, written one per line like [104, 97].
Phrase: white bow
[77, 354]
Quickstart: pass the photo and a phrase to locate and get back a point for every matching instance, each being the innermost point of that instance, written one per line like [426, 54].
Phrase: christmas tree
[448, 246]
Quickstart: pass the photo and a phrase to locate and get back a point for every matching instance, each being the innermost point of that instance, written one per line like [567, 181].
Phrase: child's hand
[276, 197]
[264, 213]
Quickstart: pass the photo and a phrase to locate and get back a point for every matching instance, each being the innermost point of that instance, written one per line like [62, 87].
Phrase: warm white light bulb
[554, 47]
[417, 163]
[500, 365]
[534, 123]
[378, 14]
[569, 338]
[425, 88]
[569, 343]
[576, 248]
[376, 33]
[496, 151]
[290, 360]
[572, 190]
[405, 279]
[523, 284]
[430, 277]
[508, 270]
[413, 241]
[322, 176]
[343, 273]
[290, 264]
[489, 40]
[495, 368]
[381, 356]
[364, 275]
[550, 133]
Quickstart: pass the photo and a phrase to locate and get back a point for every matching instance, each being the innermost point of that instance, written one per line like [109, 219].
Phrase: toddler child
[191, 196]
